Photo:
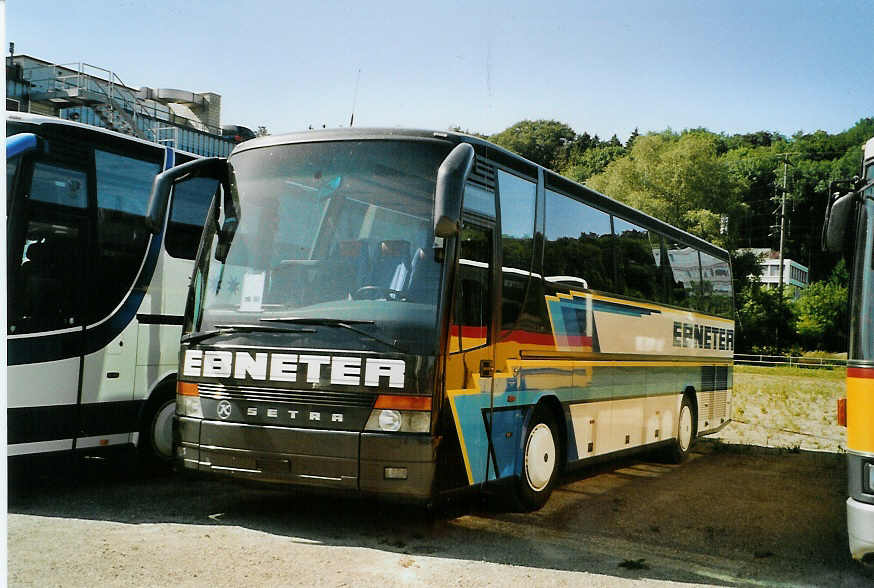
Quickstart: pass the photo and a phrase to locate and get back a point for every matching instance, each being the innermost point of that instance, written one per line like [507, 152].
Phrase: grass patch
[836, 373]
[791, 408]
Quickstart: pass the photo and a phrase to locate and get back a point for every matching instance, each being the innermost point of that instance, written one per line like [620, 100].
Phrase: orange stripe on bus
[403, 402]
[187, 389]
[859, 372]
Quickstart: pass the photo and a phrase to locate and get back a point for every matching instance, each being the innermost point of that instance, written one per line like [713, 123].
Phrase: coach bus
[94, 300]
[849, 228]
[409, 313]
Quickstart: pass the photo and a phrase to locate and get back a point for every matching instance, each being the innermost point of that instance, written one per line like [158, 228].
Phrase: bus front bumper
[860, 528]
[399, 466]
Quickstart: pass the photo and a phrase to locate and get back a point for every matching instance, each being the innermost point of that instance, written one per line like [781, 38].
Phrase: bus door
[472, 351]
[47, 236]
[121, 261]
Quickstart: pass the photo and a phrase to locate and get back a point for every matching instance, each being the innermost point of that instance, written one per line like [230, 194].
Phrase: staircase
[117, 119]
[82, 84]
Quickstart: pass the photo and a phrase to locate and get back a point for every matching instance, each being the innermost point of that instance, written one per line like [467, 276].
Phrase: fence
[789, 361]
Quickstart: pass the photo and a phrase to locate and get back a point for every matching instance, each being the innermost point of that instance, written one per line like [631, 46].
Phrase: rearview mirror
[21, 143]
[210, 167]
[837, 219]
[451, 177]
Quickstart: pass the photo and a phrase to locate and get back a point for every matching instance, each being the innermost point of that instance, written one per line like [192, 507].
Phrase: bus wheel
[685, 432]
[157, 437]
[540, 460]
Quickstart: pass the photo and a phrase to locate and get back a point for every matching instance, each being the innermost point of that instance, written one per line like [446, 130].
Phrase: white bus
[95, 300]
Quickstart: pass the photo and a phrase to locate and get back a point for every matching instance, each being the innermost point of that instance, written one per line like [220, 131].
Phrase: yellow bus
[410, 313]
[849, 228]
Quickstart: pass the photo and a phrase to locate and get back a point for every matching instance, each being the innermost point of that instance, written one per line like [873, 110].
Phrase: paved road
[730, 515]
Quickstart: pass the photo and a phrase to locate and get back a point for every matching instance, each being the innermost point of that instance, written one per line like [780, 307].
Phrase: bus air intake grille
[719, 403]
[483, 174]
[275, 395]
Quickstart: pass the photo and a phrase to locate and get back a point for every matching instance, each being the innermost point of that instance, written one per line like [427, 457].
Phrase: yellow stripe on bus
[452, 394]
[860, 414]
[514, 365]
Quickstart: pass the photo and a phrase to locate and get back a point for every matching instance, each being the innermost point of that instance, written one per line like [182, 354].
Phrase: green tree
[590, 162]
[679, 179]
[756, 168]
[821, 316]
[821, 313]
[634, 135]
[541, 141]
[762, 320]
[746, 267]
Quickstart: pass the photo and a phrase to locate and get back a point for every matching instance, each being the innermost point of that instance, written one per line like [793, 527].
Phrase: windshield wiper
[225, 329]
[329, 322]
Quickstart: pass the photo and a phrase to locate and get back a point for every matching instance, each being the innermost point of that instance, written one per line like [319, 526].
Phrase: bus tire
[686, 419]
[156, 436]
[541, 452]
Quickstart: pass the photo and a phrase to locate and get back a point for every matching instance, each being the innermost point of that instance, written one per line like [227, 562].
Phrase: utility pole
[784, 190]
[782, 225]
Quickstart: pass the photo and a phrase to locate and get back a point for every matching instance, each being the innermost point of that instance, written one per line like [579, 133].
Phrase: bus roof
[500, 155]
[39, 119]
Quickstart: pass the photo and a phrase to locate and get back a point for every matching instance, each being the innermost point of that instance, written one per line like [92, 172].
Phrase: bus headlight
[400, 414]
[389, 420]
[189, 406]
[188, 400]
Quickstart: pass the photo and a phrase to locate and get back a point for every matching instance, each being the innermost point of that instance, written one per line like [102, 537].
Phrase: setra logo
[223, 409]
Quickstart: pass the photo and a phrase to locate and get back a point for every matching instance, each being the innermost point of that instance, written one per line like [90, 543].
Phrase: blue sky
[601, 67]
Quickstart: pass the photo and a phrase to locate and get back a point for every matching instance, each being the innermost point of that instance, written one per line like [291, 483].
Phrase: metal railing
[84, 82]
[788, 361]
[166, 135]
[87, 82]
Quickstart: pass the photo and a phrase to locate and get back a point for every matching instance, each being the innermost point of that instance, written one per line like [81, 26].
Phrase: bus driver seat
[424, 279]
[392, 265]
[37, 286]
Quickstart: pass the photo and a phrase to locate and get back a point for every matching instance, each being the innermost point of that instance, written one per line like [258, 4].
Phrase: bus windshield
[328, 232]
[862, 294]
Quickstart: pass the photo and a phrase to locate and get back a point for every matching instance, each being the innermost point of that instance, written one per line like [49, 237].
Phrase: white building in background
[795, 276]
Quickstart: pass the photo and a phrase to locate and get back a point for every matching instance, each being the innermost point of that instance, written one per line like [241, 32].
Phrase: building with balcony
[796, 277]
[96, 96]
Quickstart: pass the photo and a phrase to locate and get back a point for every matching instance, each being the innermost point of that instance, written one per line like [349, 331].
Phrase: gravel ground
[786, 411]
[763, 504]
[198, 555]
[731, 515]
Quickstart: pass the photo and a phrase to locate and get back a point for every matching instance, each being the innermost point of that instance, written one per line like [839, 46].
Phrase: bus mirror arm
[226, 235]
[451, 177]
[209, 167]
[231, 206]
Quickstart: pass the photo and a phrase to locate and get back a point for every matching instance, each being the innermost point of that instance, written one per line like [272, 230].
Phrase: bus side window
[188, 208]
[578, 242]
[638, 268]
[123, 188]
[46, 279]
[518, 198]
[716, 285]
[684, 275]
[473, 289]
